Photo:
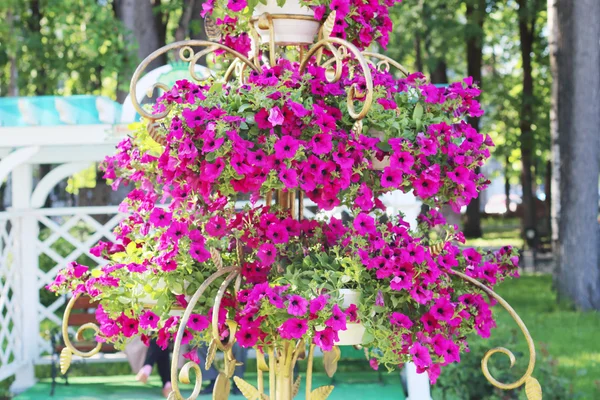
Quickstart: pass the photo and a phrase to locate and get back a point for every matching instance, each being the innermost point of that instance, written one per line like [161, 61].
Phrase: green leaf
[384, 146]
[280, 3]
[418, 113]
[124, 300]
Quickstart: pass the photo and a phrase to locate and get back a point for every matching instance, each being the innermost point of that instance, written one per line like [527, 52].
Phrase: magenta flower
[277, 233]
[198, 322]
[442, 310]
[267, 253]
[351, 313]
[160, 218]
[247, 337]
[163, 338]
[275, 116]
[325, 339]
[293, 328]
[149, 320]
[420, 356]
[318, 303]
[472, 256]
[337, 321]
[236, 5]
[286, 147]
[402, 160]
[391, 177]
[198, 252]
[426, 187]
[321, 143]
[75, 270]
[289, 177]
[110, 328]
[401, 320]
[297, 305]
[192, 355]
[216, 226]
[364, 224]
[187, 337]
[129, 326]
[374, 364]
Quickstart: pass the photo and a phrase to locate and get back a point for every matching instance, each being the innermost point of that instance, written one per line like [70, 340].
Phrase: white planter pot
[352, 336]
[287, 31]
[354, 331]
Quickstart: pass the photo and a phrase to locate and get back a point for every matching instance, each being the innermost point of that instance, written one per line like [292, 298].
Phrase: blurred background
[65, 67]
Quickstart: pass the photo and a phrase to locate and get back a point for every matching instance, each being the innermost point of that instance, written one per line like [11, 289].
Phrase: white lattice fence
[10, 345]
[66, 235]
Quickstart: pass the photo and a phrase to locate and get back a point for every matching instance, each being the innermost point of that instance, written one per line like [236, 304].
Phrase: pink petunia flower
[198, 322]
[401, 320]
[297, 305]
[149, 320]
[267, 253]
[129, 326]
[325, 339]
[160, 218]
[318, 303]
[192, 355]
[286, 147]
[247, 337]
[337, 321]
[293, 328]
[364, 224]
[391, 177]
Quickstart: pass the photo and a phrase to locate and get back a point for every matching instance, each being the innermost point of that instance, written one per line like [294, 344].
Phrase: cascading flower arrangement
[287, 131]
[203, 207]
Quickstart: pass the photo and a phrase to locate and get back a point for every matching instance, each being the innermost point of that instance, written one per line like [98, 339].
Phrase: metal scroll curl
[532, 387]
[67, 353]
[340, 54]
[184, 375]
[187, 54]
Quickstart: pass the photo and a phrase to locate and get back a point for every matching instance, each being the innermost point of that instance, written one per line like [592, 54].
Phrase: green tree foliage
[432, 34]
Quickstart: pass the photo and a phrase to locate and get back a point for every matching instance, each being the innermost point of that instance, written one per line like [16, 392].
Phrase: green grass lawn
[498, 232]
[568, 336]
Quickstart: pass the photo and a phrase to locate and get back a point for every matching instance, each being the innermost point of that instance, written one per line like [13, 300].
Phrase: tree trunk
[475, 17]
[527, 16]
[146, 29]
[507, 185]
[577, 100]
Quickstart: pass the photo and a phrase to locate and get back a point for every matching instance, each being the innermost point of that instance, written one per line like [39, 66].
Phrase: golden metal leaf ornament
[260, 361]
[210, 354]
[321, 393]
[358, 127]
[65, 360]
[533, 390]
[329, 24]
[248, 391]
[156, 132]
[437, 248]
[184, 374]
[222, 387]
[330, 360]
[296, 387]
[213, 32]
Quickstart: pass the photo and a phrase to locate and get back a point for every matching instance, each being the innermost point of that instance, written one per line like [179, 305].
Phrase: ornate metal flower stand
[281, 360]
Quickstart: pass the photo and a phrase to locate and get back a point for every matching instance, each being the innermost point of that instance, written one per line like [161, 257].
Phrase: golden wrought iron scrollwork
[344, 52]
[70, 350]
[533, 389]
[187, 54]
[184, 376]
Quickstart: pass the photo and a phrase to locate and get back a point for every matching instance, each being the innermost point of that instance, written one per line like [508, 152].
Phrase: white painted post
[27, 293]
[418, 384]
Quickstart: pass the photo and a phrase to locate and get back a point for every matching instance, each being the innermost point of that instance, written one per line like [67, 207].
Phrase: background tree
[576, 57]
